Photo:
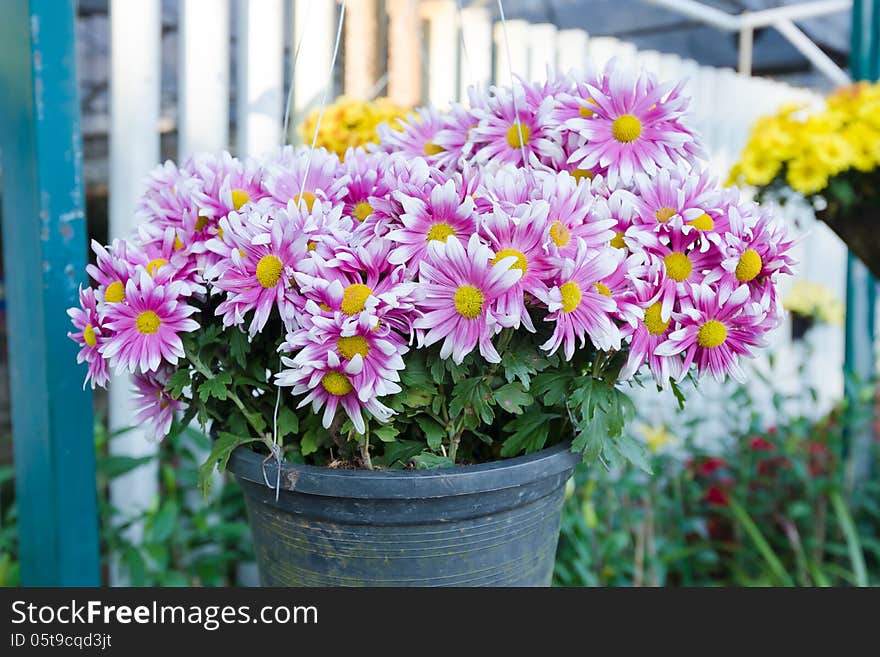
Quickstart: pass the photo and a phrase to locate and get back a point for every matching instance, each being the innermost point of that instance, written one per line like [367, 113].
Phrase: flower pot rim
[406, 484]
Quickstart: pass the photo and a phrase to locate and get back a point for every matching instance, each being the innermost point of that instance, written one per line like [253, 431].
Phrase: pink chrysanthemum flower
[630, 236]
[170, 193]
[328, 383]
[685, 258]
[680, 199]
[90, 335]
[619, 285]
[365, 171]
[571, 220]
[352, 337]
[635, 127]
[153, 404]
[405, 178]
[756, 248]
[508, 133]
[114, 265]
[262, 259]
[520, 236]
[715, 334]
[429, 221]
[285, 179]
[455, 136]
[577, 101]
[461, 289]
[507, 187]
[145, 328]
[649, 333]
[415, 137]
[578, 306]
[226, 182]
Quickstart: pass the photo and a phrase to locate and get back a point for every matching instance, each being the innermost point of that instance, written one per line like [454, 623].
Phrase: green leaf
[386, 433]
[433, 430]
[552, 386]
[219, 457]
[527, 433]
[634, 451]
[310, 443]
[288, 422]
[473, 398]
[239, 346]
[427, 460]
[215, 387]
[400, 451]
[178, 381]
[512, 397]
[164, 522]
[114, 466]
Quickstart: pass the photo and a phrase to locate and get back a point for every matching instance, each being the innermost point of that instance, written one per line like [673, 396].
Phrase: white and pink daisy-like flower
[570, 212]
[522, 236]
[153, 404]
[429, 221]
[365, 181]
[303, 176]
[680, 199]
[145, 329]
[226, 182]
[327, 384]
[170, 193]
[513, 130]
[257, 274]
[456, 136]
[579, 307]
[461, 289]
[636, 126]
[416, 136]
[114, 265]
[715, 334]
[90, 335]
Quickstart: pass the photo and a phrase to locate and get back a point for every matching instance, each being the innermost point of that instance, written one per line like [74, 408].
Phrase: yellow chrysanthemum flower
[814, 300]
[350, 123]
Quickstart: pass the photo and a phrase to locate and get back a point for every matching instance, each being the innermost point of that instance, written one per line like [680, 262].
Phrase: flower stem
[365, 451]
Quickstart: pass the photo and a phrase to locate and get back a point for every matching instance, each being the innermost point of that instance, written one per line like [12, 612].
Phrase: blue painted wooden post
[861, 287]
[44, 253]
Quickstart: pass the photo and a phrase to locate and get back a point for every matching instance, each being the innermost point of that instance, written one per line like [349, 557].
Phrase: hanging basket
[858, 225]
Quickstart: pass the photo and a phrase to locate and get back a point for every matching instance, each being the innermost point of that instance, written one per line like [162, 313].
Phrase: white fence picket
[475, 58]
[571, 51]
[318, 19]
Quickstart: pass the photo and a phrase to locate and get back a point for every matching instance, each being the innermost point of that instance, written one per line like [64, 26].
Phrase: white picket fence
[460, 49]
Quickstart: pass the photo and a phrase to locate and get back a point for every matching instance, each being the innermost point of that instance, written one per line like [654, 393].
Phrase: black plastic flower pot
[494, 524]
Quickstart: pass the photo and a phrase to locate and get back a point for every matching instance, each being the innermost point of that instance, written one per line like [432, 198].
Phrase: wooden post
[260, 75]
[203, 107]
[404, 52]
[361, 48]
[44, 243]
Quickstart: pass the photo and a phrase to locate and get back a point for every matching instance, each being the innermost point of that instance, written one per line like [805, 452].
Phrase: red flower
[717, 496]
[820, 458]
[759, 444]
[710, 465]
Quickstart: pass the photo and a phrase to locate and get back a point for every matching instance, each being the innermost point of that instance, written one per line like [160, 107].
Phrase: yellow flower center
[513, 135]
[311, 246]
[269, 270]
[626, 128]
[653, 322]
[559, 234]
[89, 335]
[354, 298]
[521, 263]
[439, 232]
[432, 149]
[617, 241]
[468, 301]
[178, 244]
[350, 346]
[581, 174]
[239, 198]
[571, 296]
[586, 112]
[712, 334]
[201, 222]
[323, 306]
[703, 222]
[336, 383]
[147, 322]
[115, 292]
[678, 266]
[154, 265]
[602, 289]
[307, 197]
[220, 232]
[665, 214]
[749, 266]
[363, 210]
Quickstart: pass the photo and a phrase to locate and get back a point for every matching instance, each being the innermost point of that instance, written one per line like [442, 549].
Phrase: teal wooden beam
[861, 287]
[44, 254]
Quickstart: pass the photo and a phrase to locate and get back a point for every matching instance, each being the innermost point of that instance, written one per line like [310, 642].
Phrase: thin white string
[464, 50]
[276, 450]
[289, 101]
[522, 145]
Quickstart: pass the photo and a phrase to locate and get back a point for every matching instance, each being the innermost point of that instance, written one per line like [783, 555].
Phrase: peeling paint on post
[44, 241]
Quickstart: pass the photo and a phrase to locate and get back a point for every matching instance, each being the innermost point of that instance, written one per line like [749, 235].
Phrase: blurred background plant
[350, 122]
[765, 507]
